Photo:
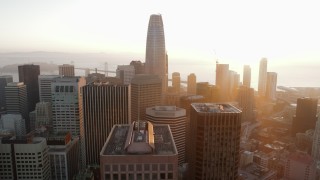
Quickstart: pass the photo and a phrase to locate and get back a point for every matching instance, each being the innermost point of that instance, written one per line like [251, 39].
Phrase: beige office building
[177, 119]
[144, 151]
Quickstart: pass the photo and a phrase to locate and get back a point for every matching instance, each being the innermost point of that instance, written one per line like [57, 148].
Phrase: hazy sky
[285, 32]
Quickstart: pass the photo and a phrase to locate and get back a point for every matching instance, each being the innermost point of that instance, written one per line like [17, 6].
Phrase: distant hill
[44, 67]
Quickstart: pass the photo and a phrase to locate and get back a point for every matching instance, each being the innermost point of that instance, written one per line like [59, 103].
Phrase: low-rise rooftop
[143, 139]
[214, 108]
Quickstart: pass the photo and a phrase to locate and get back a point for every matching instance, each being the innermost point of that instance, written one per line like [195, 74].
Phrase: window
[162, 175]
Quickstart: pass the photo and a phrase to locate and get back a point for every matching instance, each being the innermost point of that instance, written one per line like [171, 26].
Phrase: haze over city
[197, 33]
[159, 90]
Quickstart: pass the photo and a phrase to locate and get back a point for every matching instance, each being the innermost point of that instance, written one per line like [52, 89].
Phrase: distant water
[290, 75]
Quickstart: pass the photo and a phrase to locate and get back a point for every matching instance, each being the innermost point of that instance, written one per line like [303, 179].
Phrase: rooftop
[143, 139]
[215, 108]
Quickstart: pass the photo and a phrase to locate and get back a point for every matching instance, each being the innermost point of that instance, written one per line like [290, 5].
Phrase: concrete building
[45, 82]
[28, 74]
[125, 73]
[139, 151]
[254, 171]
[24, 158]
[176, 118]
[66, 105]
[316, 142]
[176, 82]
[192, 84]
[246, 103]
[145, 92]
[262, 77]
[43, 114]
[138, 67]
[156, 58]
[223, 81]
[306, 115]
[246, 81]
[66, 70]
[64, 155]
[214, 142]
[300, 165]
[4, 80]
[271, 86]
[14, 123]
[104, 106]
[16, 101]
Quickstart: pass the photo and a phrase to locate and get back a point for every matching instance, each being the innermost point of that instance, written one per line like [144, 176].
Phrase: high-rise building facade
[28, 74]
[4, 80]
[66, 105]
[316, 142]
[138, 67]
[104, 106]
[192, 84]
[64, 155]
[300, 165]
[306, 115]
[262, 77]
[125, 73]
[145, 92]
[14, 123]
[176, 118]
[66, 70]
[271, 86]
[24, 158]
[45, 82]
[139, 151]
[16, 101]
[43, 114]
[246, 76]
[222, 80]
[176, 82]
[246, 103]
[156, 57]
[214, 141]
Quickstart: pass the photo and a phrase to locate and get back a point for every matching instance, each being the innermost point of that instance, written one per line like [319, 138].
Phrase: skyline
[196, 34]
[245, 31]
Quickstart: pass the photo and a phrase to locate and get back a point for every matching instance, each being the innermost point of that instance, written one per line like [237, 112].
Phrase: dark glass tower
[28, 74]
[156, 58]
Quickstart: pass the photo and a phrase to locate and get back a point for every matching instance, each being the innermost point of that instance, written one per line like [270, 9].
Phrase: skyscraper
[246, 102]
[176, 118]
[156, 57]
[13, 122]
[271, 86]
[262, 77]
[192, 84]
[16, 101]
[28, 74]
[104, 106]
[66, 105]
[45, 82]
[316, 142]
[306, 115]
[145, 92]
[4, 80]
[43, 114]
[222, 81]
[125, 73]
[214, 141]
[24, 158]
[246, 75]
[176, 82]
[66, 70]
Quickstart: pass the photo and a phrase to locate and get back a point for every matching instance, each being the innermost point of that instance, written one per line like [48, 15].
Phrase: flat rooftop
[215, 108]
[146, 139]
